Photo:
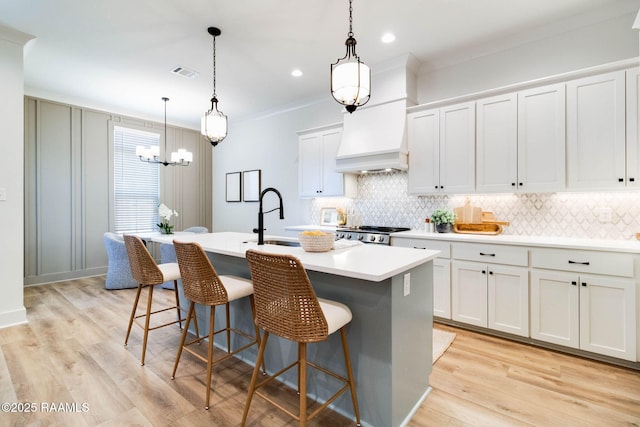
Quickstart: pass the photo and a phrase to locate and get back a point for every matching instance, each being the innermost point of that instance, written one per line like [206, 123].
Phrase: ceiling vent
[184, 72]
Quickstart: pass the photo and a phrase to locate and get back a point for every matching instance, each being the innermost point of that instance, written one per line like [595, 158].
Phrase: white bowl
[320, 243]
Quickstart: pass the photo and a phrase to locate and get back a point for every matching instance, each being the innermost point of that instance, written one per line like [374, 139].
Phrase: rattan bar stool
[287, 306]
[147, 273]
[202, 285]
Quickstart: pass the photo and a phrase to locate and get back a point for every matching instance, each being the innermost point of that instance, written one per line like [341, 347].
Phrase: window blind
[136, 183]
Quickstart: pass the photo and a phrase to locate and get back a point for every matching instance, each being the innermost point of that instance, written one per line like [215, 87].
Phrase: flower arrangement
[165, 214]
[443, 216]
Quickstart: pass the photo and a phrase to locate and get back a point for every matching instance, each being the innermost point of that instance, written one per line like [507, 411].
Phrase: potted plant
[165, 215]
[443, 219]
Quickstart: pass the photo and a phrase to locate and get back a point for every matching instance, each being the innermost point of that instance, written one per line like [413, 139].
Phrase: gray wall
[68, 187]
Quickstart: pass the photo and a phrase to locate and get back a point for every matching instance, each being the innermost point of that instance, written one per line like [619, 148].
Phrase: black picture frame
[233, 191]
[251, 185]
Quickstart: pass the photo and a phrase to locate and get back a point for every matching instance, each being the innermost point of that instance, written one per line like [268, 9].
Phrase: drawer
[443, 247]
[494, 254]
[609, 263]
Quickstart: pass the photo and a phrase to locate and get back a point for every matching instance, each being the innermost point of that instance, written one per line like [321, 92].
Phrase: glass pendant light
[214, 123]
[350, 77]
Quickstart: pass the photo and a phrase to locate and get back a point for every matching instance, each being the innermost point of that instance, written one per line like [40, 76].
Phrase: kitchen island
[389, 291]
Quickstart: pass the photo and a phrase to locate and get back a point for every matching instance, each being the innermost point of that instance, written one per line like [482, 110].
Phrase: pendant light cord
[214, 67]
[165, 99]
[350, 34]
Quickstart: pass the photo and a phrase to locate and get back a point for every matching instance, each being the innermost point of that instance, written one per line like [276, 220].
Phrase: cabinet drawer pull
[416, 247]
[578, 262]
[483, 254]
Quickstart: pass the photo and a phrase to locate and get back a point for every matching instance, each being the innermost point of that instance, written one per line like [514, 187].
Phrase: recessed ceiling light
[388, 38]
[296, 73]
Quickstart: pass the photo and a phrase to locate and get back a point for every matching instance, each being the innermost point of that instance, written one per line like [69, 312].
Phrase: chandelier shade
[151, 154]
[214, 123]
[350, 77]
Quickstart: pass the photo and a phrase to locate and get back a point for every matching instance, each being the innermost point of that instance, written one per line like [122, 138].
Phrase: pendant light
[214, 123]
[151, 154]
[350, 77]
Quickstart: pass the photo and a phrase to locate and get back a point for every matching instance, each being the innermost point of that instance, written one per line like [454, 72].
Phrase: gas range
[368, 234]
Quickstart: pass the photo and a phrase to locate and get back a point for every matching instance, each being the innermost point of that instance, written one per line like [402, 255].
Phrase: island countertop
[367, 261]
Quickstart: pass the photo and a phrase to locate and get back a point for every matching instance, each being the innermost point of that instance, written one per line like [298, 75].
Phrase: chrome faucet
[260, 229]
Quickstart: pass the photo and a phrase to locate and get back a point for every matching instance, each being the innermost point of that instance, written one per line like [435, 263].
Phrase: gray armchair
[168, 254]
[118, 269]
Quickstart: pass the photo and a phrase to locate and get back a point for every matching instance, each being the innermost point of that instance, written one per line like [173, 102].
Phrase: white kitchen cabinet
[596, 132]
[491, 296]
[317, 161]
[633, 127]
[520, 141]
[441, 272]
[589, 312]
[442, 150]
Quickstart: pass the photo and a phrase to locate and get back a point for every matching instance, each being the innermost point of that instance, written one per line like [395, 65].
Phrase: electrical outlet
[407, 284]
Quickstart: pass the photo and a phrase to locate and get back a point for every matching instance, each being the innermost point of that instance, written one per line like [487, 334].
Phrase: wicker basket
[320, 243]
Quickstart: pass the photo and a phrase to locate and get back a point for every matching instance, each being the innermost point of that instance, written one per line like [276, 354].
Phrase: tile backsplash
[383, 200]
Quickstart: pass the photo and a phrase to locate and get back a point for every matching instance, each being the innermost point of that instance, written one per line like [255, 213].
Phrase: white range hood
[374, 139]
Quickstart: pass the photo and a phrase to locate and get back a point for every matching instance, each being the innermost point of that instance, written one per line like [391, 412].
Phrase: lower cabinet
[589, 312]
[490, 296]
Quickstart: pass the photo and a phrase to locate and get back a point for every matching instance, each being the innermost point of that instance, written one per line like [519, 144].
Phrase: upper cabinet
[317, 163]
[633, 127]
[520, 141]
[442, 150]
[596, 132]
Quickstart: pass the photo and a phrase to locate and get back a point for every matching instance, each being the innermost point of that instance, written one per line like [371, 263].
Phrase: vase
[444, 227]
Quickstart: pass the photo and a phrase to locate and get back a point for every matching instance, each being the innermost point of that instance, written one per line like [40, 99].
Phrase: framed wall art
[234, 186]
[251, 185]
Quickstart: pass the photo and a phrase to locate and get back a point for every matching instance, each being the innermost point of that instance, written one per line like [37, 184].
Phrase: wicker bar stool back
[147, 273]
[202, 285]
[287, 306]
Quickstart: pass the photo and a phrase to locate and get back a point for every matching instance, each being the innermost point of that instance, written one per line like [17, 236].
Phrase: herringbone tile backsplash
[383, 200]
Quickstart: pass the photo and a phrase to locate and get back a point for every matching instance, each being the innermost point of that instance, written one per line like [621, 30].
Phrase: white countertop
[630, 246]
[368, 262]
[327, 228]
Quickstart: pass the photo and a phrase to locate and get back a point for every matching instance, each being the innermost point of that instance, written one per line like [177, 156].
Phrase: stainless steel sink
[281, 242]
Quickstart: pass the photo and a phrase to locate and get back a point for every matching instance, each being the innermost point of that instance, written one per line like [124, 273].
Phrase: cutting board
[468, 214]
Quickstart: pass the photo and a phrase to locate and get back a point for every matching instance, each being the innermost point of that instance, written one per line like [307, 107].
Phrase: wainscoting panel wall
[68, 193]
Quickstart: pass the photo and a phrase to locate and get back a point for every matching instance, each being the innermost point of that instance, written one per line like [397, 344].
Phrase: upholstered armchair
[168, 254]
[118, 269]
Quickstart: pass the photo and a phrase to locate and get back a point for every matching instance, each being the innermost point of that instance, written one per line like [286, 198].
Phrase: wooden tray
[482, 228]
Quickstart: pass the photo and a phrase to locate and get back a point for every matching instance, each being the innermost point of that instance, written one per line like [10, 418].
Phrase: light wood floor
[72, 352]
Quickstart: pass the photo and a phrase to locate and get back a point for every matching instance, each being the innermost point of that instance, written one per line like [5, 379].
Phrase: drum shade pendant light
[214, 122]
[151, 154]
[350, 77]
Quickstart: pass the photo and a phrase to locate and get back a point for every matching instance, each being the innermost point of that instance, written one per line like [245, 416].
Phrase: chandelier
[350, 77]
[214, 123]
[151, 154]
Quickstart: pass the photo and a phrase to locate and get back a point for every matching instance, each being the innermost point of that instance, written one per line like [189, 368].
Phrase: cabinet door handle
[520, 184]
[484, 272]
[491, 273]
[632, 179]
[620, 179]
[513, 184]
[584, 284]
[578, 262]
[574, 283]
[483, 254]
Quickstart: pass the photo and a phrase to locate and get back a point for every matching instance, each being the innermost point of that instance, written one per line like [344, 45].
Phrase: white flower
[166, 212]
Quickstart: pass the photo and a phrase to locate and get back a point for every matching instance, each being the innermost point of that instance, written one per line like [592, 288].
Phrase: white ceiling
[116, 55]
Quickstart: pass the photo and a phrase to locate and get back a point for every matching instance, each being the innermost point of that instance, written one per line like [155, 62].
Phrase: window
[136, 183]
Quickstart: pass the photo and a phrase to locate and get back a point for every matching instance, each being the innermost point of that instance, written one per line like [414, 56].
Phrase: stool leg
[302, 381]
[133, 313]
[254, 377]
[146, 324]
[212, 313]
[183, 339]
[175, 289]
[228, 329]
[352, 383]
[257, 329]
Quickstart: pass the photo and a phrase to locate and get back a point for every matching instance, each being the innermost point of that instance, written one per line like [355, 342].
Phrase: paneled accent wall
[68, 200]
[383, 200]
